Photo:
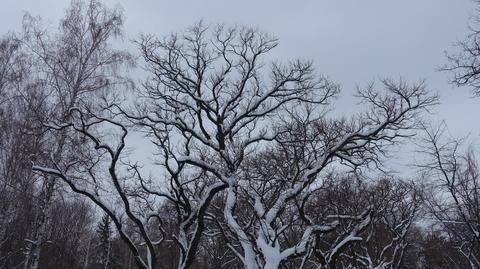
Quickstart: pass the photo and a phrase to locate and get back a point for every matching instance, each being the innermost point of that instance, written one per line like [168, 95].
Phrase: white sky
[351, 41]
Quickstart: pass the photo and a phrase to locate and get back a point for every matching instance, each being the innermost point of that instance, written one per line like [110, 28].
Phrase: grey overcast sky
[351, 41]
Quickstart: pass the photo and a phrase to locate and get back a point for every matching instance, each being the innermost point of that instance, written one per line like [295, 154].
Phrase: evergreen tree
[104, 231]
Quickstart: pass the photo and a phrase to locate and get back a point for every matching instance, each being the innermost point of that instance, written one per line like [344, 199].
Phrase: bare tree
[17, 145]
[379, 237]
[67, 233]
[439, 251]
[12, 64]
[136, 199]
[464, 64]
[395, 205]
[456, 206]
[73, 67]
[209, 92]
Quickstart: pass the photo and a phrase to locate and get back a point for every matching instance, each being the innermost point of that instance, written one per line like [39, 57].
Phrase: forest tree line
[252, 170]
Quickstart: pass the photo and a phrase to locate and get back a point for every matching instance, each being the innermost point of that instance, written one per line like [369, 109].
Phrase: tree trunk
[33, 250]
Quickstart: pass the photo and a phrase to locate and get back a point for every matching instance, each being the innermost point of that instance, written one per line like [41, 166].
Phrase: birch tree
[16, 148]
[73, 66]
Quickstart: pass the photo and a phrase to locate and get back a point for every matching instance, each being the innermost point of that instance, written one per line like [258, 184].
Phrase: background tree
[17, 146]
[456, 206]
[104, 231]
